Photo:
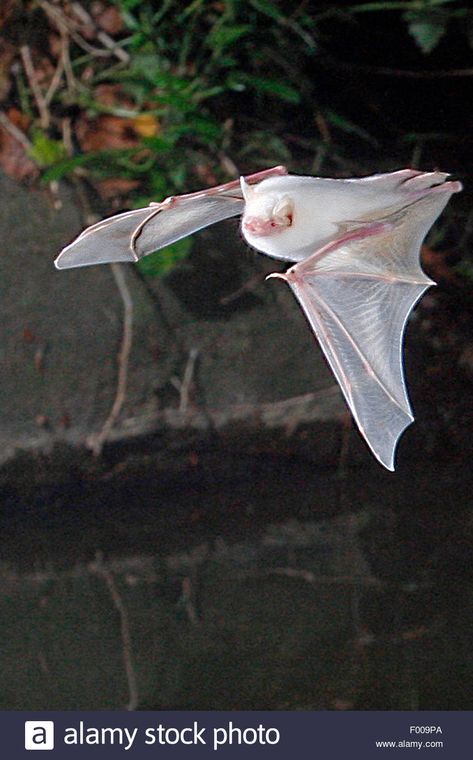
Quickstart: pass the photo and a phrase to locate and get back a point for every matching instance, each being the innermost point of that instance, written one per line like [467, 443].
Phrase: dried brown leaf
[116, 187]
[105, 132]
[7, 7]
[437, 266]
[146, 125]
[14, 160]
[7, 54]
[112, 95]
[110, 20]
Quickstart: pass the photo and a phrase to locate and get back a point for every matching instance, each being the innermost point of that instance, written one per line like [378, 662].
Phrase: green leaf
[268, 8]
[260, 144]
[206, 128]
[222, 36]
[45, 151]
[160, 262]
[63, 168]
[128, 4]
[427, 29]
[465, 269]
[161, 144]
[210, 92]
[345, 125]
[271, 87]
[101, 162]
[158, 186]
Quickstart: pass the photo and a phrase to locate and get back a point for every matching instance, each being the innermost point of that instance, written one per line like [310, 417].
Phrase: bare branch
[248, 286]
[41, 103]
[100, 568]
[65, 24]
[14, 131]
[187, 380]
[188, 599]
[57, 76]
[96, 441]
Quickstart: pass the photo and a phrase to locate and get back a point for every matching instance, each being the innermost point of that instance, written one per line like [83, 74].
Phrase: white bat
[357, 276]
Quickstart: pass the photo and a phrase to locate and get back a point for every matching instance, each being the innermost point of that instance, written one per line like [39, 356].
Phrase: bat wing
[357, 293]
[134, 234]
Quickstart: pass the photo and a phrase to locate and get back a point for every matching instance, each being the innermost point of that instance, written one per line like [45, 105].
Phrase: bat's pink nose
[259, 227]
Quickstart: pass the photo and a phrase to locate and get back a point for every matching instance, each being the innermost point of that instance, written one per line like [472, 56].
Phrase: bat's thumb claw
[278, 275]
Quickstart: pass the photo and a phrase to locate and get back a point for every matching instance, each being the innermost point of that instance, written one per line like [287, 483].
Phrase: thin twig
[188, 600]
[102, 36]
[53, 186]
[343, 457]
[96, 441]
[65, 53]
[229, 166]
[41, 103]
[421, 74]
[183, 386]
[57, 76]
[416, 154]
[248, 286]
[43, 663]
[105, 573]
[313, 578]
[65, 24]
[14, 131]
[67, 136]
[331, 61]
[187, 380]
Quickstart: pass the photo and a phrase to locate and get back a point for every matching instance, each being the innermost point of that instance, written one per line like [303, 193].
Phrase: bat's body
[357, 275]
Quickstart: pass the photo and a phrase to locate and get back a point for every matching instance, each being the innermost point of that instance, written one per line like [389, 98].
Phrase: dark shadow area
[250, 582]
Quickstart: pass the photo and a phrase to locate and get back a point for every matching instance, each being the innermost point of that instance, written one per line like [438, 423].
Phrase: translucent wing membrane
[357, 293]
[134, 234]
[365, 360]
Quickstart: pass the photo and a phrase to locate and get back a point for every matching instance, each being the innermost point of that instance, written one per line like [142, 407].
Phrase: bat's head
[266, 213]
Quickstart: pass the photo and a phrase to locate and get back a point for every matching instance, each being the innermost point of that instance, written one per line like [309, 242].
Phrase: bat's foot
[424, 183]
[425, 180]
[415, 182]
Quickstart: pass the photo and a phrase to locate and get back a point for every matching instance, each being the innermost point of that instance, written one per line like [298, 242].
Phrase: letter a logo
[39, 734]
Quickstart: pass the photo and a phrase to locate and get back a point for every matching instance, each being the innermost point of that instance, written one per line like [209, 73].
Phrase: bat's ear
[246, 189]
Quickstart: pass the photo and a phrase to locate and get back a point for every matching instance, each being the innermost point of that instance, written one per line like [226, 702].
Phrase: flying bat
[354, 245]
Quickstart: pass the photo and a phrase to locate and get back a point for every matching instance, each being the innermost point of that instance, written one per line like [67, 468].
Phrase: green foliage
[45, 151]
[202, 84]
[464, 268]
[427, 28]
[266, 86]
[187, 62]
[345, 125]
[427, 20]
[160, 262]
